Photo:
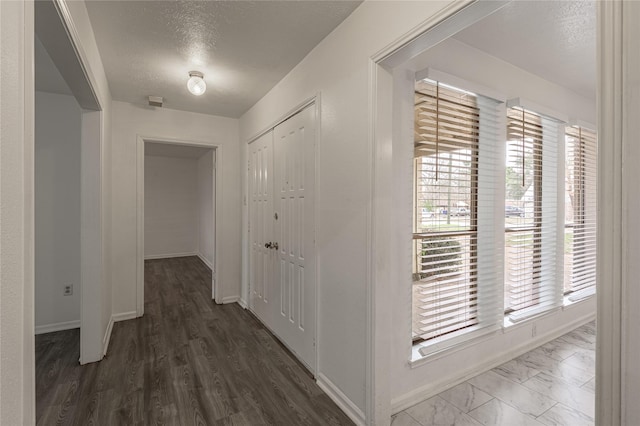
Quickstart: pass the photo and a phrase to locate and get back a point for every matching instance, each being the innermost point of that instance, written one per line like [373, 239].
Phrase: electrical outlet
[68, 290]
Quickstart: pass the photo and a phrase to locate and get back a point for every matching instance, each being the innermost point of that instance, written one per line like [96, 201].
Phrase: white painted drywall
[472, 65]
[128, 122]
[206, 208]
[338, 69]
[171, 207]
[99, 298]
[17, 360]
[57, 210]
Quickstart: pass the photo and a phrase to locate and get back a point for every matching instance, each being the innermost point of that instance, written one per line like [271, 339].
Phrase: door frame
[94, 337]
[216, 288]
[246, 271]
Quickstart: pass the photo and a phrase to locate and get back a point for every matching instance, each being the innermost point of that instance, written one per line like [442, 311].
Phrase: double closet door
[281, 232]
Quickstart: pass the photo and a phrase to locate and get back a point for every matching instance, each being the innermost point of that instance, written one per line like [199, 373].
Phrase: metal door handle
[268, 245]
[274, 246]
[271, 245]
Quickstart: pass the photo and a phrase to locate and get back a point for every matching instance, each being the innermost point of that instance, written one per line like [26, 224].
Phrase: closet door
[261, 257]
[294, 292]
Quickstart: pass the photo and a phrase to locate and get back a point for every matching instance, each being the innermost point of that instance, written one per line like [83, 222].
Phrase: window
[453, 293]
[531, 214]
[488, 216]
[580, 212]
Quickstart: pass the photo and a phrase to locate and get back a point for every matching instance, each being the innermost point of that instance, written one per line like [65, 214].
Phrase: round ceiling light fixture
[196, 84]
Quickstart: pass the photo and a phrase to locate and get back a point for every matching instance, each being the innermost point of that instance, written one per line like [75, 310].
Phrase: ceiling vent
[155, 101]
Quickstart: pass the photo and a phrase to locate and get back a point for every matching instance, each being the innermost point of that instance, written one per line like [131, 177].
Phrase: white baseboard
[59, 326]
[432, 389]
[169, 255]
[350, 409]
[230, 299]
[107, 336]
[123, 316]
[243, 303]
[205, 260]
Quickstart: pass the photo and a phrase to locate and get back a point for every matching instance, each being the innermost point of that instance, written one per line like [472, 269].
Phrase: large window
[531, 214]
[488, 243]
[580, 212]
[450, 199]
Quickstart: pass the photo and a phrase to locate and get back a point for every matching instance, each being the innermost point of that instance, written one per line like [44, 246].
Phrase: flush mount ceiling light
[196, 84]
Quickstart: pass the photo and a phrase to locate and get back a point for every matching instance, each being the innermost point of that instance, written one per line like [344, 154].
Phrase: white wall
[171, 207]
[504, 79]
[338, 69]
[206, 208]
[101, 296]
[57, 211]
[17, 360]
[130, 121]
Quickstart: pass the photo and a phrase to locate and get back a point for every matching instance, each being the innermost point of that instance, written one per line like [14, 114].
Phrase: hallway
[188, 361]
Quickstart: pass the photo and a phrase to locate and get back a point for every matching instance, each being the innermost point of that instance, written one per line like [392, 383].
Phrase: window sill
[419, 357]
[578, 296]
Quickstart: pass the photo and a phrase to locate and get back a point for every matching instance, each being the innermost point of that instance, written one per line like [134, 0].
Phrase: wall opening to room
[179, 188]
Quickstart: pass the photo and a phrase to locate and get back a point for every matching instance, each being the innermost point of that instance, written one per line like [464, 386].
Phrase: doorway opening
[178, 206]
[478, 239]
[68, 185]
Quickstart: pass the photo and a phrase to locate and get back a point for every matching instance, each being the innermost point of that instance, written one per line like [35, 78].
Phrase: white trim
[206, 262]
[471, 370]
[58, 326]
[452, 80]
[458, 15]
[92, 222]
[537, 108]
[218, 217]
[230, 299]
[170, 255]
[243, 303]
[301, 106]
[74, 37]
[342, 401]
[124, 316]
[611, 279]
[107, 336]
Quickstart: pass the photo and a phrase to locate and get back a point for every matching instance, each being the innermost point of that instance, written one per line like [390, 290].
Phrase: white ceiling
[48, 78]
[173, 150]
[243, 47]
[555, 40]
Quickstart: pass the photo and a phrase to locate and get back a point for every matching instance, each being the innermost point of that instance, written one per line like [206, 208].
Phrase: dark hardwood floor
[188, 361]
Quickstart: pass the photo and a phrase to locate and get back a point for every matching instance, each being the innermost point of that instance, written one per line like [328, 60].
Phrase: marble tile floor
[553, 384]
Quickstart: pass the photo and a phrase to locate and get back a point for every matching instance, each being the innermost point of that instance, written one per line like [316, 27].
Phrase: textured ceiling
[243, 47]
[555, 40]
[173, 150]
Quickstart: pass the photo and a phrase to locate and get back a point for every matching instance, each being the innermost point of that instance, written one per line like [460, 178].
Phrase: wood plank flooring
[188, 361]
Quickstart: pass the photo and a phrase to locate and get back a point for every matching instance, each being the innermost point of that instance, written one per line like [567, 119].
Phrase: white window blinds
[531, 215]
[455, 262]
[580, 211]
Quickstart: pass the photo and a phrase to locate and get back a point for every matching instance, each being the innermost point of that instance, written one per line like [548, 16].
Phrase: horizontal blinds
[580, 208]
[531, 212]
[448, 290]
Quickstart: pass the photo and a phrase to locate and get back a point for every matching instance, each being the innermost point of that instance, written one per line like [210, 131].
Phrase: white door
[282, 258]
[261, 257]
[294, 172]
